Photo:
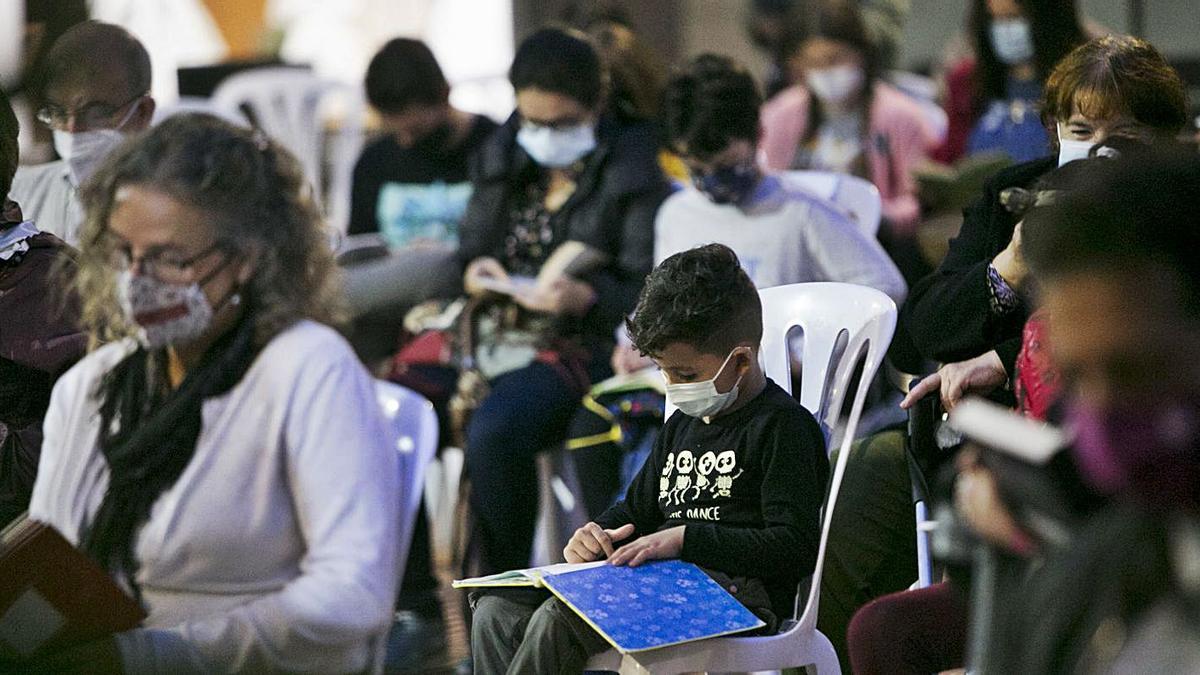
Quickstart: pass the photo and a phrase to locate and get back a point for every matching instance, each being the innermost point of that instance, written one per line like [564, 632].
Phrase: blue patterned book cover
[653, 605]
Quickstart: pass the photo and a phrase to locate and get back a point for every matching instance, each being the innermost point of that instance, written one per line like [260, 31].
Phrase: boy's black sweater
[748, 487]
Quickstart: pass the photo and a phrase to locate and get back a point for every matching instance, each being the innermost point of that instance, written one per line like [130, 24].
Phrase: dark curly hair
[561, 62]
[708, 105]
[701, 298]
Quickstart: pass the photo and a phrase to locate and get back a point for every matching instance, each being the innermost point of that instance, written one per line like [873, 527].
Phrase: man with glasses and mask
[97, 93]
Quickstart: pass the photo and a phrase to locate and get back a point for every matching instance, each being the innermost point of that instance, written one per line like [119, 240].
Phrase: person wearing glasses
[560, 169]
[223, 454]
[97, 84]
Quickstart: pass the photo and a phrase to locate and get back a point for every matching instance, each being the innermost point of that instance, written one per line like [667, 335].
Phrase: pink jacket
[899, 140]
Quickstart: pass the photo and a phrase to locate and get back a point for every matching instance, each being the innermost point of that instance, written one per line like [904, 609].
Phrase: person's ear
[248, 265]
[143, 114]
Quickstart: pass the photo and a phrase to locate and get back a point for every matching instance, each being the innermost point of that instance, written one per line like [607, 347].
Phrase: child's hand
[592, 542]
[658, 546]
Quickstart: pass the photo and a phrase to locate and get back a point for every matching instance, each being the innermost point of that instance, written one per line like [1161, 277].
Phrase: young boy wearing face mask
[734, 483]
[97, 93]
[781, 234]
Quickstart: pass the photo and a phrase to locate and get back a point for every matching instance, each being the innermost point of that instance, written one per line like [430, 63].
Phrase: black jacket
[613, 208]
[947, 313]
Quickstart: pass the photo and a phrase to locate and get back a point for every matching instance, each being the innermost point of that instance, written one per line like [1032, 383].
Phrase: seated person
[971, 312]
[842, 118]
[700, 319]
[41, 337]
[413, 182]
[97, 82]
[560, 169]
[993, 100]
[781, 234]
[223, 456]
[1119, 279]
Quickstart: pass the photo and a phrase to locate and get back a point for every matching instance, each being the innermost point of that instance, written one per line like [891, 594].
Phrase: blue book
[658, 604]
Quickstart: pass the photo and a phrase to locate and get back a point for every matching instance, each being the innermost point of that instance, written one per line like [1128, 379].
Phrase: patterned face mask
[167, 314]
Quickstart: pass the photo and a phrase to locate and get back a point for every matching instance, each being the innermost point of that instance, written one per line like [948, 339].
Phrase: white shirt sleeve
[343, 477]
[839, 250]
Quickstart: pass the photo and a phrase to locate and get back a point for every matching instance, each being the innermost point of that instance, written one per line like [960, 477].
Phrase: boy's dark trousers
[527, 630]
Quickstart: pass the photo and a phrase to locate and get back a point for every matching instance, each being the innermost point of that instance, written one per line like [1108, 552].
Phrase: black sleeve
[640, 505]
[794, 470]
[617, 286]
[19, 453]
[948, 313]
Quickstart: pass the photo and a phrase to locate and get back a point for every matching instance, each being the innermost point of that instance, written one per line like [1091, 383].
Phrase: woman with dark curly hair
[195, 455]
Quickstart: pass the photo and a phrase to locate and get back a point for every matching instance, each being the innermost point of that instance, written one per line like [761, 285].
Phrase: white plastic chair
[198, 104]
[414, 424]
[841, 324]
[414, 427]
[292, 106]
[857, 196]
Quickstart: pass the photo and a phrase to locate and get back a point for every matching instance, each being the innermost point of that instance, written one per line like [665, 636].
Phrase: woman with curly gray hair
[220, 455]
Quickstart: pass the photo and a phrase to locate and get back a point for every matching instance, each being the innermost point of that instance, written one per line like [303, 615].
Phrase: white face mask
[1070, 150]
[701, 399]
[165, 314]
[1012, 40]
[836, 84]
[83, 151]
[557, 148]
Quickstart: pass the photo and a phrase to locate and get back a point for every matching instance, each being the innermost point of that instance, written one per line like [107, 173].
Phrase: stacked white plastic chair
[294, 107]
[842, 324]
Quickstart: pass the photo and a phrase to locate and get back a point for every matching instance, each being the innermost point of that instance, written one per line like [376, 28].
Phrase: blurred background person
[841, 117]
[993, 100]
[41, 336]
[97, 92]
[412, 183]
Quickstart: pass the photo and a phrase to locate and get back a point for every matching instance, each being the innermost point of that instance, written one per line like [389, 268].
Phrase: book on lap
[53, 596]
[658, 604]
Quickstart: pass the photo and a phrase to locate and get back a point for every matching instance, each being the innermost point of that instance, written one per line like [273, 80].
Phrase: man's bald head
[94, 52]
[100, 66]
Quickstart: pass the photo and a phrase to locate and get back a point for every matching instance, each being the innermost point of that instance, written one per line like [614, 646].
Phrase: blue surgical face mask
[728, 184]
[557, 148]
[1012, 40]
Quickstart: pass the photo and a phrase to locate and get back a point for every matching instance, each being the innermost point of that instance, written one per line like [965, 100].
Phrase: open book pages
[526, 577]
[1002, 429]
[571, 258]
[646, 378]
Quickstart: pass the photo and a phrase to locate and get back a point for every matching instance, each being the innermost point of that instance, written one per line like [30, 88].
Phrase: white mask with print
[557, 148]
[701, 399]
[84, 151]
[836, 84]
[1012, 40]
[1070, 150]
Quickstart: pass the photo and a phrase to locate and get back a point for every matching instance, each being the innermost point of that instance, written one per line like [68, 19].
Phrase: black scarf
[154, 438]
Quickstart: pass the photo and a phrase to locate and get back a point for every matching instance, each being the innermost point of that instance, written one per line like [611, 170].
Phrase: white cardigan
[276, 548]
